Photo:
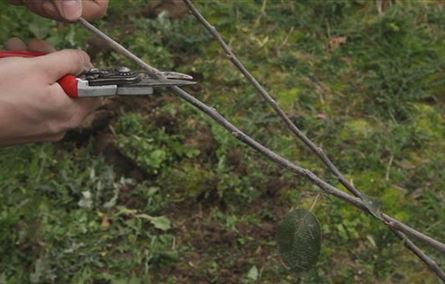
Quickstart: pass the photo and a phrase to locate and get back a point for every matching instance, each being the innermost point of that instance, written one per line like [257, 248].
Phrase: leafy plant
[152, 148]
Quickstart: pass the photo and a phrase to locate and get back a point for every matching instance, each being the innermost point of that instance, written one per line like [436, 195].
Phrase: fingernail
[86, 66]
[49, 8]
[86, 62]
[71, 9]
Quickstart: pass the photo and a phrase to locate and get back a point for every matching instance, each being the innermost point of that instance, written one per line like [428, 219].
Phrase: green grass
[185, 202]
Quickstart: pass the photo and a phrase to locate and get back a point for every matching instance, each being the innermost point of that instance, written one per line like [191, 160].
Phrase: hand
[33, 107]
[65, 10]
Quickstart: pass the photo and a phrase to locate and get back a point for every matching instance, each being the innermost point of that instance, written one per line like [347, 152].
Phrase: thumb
[60, 63]
[70, 10]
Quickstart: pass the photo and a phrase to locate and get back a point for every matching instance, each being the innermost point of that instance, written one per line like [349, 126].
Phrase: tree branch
[432, 265]
[394, 225]
[237, 133]
[262, 91]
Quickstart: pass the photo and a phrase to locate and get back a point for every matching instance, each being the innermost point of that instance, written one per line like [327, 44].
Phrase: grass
[176, 199]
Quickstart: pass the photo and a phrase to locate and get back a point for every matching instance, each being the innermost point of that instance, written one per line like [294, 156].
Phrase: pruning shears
[119, 81]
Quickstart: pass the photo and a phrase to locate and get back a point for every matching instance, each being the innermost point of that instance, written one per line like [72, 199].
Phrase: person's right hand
[33, 107]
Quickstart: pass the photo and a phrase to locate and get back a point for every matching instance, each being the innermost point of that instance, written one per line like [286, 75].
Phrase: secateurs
[120, 81]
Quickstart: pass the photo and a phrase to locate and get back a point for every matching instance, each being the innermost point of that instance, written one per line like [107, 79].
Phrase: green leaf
[2, 278]
[162, 223]
[299, 240]
[253, 273]
[86, 201]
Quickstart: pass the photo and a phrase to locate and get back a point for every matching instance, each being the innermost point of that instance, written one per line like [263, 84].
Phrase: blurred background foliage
[154, 192]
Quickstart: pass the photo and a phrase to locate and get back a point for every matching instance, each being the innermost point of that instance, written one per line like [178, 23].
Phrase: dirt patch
[217, 252]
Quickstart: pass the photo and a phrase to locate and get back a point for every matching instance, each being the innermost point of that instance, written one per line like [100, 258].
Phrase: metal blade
[177, 75]
[162, 83]
[145, 87]
[134, 91]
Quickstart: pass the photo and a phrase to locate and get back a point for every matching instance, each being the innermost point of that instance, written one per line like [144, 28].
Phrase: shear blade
[177, 75]
[162, 83]
[145, 87]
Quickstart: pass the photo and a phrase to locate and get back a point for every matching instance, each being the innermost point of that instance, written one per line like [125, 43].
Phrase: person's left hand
[65, 10]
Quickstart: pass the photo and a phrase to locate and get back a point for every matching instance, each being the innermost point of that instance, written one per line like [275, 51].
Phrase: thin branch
[432, 265]
[314, 148]
[394, 226]
[237, 133]
[268, 98]
[295, 130]
[314, 202]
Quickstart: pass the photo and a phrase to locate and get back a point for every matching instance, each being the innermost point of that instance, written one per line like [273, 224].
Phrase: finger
[15, 2]
[93, 9]
[51, 138]
[106, 101]
[33, 139]
[43, 8]
[40, 45]
[88, 105]
[70, 10]
[85, 107]
[60, 63]
[76, 110]
[15, 43]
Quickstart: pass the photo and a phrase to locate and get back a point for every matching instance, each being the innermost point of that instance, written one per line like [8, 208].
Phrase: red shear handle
[67, 82]
[19, 53]
[69, 85]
